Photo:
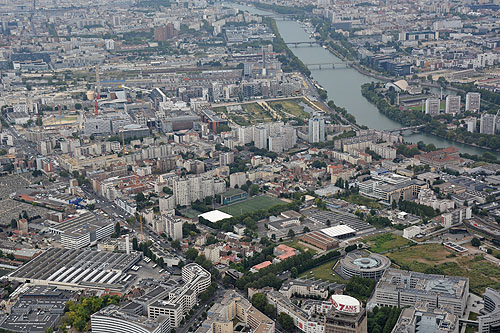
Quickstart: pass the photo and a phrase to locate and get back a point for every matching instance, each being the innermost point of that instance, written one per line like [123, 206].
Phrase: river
[344, 84]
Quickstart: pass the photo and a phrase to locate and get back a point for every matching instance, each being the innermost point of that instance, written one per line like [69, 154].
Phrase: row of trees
[433, 124]
[267, 277]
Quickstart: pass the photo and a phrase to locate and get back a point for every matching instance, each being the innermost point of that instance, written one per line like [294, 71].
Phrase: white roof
[338, 230]
[346, 304]
[215, 215]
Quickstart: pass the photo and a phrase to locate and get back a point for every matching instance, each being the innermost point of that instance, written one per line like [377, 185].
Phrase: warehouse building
[83, 230]
[78, 269]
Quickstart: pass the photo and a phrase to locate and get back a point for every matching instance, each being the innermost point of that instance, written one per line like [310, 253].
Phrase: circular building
[364, 264]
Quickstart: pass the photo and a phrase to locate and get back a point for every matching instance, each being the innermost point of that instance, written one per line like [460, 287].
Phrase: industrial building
[83, 230]
[404, 288]
[364, 264]
[37, 309]
[320, 240]
[79, 269]
[336, 218]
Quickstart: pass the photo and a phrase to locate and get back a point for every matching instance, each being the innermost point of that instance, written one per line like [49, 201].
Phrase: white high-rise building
[452, 104]
[316, 129]
[245, 135]
[226, 158]
[276, 144]
[488, 124]
[173, 227]
[471, 124]
[196, 187]
[289, 135]
[472, 101]
[181, 192]
[432, 106]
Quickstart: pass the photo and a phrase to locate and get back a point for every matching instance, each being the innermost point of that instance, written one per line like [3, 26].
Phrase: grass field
[324, 272]
[256, 114]
[363, 201]
[297, 244]
[291, 106]
[251, 205]
[481, 273]
[386, 242]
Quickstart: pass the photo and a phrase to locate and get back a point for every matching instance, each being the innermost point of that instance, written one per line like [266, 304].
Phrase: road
[22, 144]
[219, 293]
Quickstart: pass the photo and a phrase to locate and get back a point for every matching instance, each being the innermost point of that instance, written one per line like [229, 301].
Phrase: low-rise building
[403, 288]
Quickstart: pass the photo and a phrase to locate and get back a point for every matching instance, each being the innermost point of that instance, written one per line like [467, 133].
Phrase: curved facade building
[112, 319]
[490, 322]
[364, 264]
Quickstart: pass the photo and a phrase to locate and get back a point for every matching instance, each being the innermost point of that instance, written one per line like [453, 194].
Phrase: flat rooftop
[79, 269]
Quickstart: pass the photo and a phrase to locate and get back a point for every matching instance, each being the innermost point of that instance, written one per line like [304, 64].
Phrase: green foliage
[359, 287]
[378, 221]
[417, 209]
[78, 315]
[191, 254]
[167, 190]
[475, 242]
[383, 319]
[286, 322]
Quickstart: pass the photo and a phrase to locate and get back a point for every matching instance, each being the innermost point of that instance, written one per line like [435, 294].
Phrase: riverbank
[343, 84]
[433, 127]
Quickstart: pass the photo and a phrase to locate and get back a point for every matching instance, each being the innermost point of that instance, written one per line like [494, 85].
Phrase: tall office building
[488, 124]
[452, 104]
[346, 316]
[316, 129]
[432, 106]
[472, 101]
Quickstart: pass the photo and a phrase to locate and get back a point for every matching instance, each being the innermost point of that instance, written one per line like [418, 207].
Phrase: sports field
[251, 205]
